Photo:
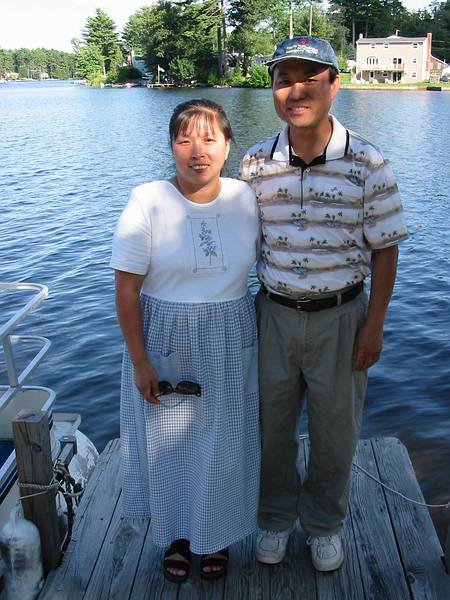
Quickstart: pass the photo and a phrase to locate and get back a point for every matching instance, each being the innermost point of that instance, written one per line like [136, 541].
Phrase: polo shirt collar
[337, 146]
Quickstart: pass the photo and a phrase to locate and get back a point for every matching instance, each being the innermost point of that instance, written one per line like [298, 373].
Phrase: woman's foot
[213, 566]
[177, 561]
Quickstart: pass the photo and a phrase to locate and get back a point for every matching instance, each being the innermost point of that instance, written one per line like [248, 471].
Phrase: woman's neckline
[173, 182]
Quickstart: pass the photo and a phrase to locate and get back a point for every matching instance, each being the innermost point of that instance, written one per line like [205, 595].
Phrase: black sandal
[177, 547]
[215, 559]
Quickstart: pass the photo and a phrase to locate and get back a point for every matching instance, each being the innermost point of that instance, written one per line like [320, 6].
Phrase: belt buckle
[301, 301]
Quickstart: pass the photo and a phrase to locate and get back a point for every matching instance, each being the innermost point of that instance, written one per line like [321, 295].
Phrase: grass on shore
[346, 82]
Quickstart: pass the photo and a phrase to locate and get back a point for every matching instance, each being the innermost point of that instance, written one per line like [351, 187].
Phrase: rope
[64, 484]
[43, 489]
[396, 492]
[399, 493]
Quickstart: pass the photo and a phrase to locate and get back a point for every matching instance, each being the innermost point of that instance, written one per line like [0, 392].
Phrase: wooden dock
[392, 550]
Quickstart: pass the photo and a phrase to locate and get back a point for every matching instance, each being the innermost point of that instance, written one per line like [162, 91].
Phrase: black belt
[312, 304]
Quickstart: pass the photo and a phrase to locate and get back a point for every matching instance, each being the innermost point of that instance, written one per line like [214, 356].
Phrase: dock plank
[149, 582]
[246, 577]
[112, 577]
[93, 518]
[346, 582]
[417, 540]
[383, 577]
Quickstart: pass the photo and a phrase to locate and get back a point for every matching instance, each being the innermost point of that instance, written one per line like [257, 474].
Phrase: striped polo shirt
[320, 222]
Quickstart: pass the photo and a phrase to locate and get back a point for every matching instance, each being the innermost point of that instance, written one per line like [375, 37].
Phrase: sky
[53, 23]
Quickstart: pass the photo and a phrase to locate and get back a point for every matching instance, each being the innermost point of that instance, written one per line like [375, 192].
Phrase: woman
[189, 402]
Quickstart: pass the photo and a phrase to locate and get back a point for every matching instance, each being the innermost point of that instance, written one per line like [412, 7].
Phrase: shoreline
[424, 87]
[394, 88]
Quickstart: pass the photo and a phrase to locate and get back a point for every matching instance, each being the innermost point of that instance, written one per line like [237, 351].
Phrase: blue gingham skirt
[192, 463]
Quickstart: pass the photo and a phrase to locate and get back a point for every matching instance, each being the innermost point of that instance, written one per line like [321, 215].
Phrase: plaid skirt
[191, 464]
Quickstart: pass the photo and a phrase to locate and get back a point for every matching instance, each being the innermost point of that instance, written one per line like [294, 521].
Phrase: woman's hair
[191, 111]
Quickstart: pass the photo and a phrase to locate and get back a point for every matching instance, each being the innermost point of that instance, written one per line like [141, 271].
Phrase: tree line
[220, 41]
[37, 64]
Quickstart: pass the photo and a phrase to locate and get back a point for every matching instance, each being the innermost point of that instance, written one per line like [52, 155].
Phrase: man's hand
[367, 348]
[369, 339]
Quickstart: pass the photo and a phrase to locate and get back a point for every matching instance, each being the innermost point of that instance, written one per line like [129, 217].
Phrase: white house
[393, 59]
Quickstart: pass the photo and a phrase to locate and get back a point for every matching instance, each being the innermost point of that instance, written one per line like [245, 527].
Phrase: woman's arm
[128, 287]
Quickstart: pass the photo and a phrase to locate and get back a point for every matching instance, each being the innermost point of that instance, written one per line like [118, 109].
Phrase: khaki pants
[308, 354]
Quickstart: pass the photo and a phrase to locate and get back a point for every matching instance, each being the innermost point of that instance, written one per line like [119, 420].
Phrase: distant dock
[392, 550]
[160, 85]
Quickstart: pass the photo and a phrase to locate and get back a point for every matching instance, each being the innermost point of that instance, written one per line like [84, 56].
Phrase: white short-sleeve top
[188, 252]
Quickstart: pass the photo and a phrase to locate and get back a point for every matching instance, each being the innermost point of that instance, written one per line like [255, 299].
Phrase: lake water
[69, 155]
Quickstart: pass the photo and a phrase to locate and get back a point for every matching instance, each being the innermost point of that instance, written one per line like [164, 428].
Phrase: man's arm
[369, 340]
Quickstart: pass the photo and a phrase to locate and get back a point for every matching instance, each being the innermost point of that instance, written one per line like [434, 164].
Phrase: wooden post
[447, 551]
[34, 465]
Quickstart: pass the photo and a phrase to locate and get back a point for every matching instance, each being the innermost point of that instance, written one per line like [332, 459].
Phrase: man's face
[302, 93]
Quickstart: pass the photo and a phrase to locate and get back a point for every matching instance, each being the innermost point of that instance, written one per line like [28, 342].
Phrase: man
[331, 214]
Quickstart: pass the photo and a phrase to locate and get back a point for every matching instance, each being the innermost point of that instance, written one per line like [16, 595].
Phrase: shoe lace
[274, 533]
[321, 544]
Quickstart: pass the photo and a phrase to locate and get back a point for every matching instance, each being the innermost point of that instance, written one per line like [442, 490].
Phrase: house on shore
[139, 63]
[438, 68]
[396, 59]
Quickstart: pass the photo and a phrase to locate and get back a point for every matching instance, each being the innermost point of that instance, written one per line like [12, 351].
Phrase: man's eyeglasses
[183, 388]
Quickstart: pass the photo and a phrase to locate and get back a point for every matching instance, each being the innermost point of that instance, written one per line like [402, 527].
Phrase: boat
[72, 452]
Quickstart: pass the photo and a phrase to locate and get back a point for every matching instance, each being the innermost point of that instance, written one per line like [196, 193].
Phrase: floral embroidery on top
[207, 247]
[207, 243]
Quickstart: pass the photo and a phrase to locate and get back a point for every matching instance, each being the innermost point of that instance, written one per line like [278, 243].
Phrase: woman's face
[200, 153]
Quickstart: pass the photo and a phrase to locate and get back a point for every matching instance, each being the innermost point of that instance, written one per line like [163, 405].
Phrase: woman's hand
[146, 381]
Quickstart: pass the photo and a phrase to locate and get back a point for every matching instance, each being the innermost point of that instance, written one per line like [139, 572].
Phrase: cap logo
[302, 50]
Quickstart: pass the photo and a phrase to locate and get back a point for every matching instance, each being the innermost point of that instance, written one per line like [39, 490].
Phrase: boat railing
[8, 340]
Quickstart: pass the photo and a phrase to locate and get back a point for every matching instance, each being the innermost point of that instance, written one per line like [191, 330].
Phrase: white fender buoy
[20, 547]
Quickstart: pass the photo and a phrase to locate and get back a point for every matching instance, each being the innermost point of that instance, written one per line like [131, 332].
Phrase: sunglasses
[184, 388]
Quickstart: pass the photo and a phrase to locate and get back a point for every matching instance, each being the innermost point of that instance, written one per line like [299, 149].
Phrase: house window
[413, 74]
[372, 45]
[397, 61]
[386, 45]
[414, 61]
[372, 60]
[414, 45]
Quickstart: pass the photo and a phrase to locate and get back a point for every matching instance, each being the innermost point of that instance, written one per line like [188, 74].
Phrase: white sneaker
[326, 552]
[271, 545]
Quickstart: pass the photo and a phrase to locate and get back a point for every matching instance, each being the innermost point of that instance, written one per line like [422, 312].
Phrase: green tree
[371, 18]
[350, 12]
[248, 18]
[115, 66]
[101, 32]
[259, 77]
[6, 62]
[167, 31]
[136, 33]
[182, 70]
[89, 63]
[23, 62]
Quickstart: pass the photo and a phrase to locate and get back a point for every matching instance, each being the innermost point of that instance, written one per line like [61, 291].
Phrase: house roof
[392, 39]
[438, 60]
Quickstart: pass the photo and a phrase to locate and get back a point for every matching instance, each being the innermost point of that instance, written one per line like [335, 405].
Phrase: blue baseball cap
[304, 47]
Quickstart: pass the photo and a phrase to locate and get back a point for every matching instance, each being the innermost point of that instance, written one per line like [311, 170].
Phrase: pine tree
[101, 32]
